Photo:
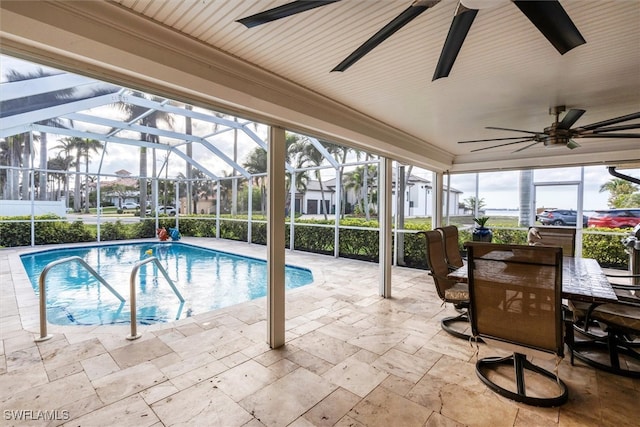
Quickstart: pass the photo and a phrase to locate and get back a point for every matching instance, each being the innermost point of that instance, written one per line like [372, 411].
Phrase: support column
[336, 229]
[276, 199]
[384, 219]
[438, 189]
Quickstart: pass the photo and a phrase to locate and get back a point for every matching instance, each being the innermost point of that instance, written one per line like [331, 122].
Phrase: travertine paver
[351, 359]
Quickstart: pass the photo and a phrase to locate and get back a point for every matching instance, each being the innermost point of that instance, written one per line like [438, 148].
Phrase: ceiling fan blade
[526, 146]
[613, 121]
[495, 139]
[615, 128]
[609, 135]
[512, 130]
[457, 33]
[387, 31]
[282, 12]
[570, 118]
[553, 22]
[503, 145]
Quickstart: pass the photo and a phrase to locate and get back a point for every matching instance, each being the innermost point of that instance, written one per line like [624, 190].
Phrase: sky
[499, 190]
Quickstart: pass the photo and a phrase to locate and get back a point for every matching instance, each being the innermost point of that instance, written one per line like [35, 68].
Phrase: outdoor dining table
[582, 280]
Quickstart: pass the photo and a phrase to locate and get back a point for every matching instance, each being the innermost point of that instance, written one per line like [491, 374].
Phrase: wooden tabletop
[582, 280]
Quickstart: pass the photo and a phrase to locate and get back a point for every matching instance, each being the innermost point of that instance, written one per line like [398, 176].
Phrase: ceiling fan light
[555, 143]
[572, 144]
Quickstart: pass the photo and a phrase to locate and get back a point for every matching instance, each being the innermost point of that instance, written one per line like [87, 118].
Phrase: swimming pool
[206, 278]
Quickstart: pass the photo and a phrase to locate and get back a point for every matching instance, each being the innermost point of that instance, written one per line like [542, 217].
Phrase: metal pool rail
[132, 291]
[43, 292]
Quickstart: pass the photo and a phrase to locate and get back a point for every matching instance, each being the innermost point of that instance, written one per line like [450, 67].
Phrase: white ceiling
[506, 75]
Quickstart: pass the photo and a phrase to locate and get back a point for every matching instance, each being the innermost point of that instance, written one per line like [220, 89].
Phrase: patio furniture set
[535, 301]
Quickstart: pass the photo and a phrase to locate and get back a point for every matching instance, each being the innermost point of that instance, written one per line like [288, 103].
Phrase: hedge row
[309, 236]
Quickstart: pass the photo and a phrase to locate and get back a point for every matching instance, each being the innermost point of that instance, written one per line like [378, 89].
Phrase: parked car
[167, 210]
[560, 217]
[615, 218]
[130, 205]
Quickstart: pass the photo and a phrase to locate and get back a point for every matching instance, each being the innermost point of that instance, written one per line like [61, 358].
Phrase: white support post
[249, 209]
[336, 232]
[438, 189]
[384, 219]
[276, 197]
[218, 195]
[99, 210]
[292, 210]
[176, 204]
[579, 223]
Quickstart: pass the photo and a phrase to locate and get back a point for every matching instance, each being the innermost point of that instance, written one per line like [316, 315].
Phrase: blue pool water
[207, 280]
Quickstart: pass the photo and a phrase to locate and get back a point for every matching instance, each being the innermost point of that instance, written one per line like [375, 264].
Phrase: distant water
[515, 212]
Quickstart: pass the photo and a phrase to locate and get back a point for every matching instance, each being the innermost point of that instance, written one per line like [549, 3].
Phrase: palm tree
[66, 147]
[61, 164]
[361, 178]
[621, 193]
[201, 187]
[311, 154]
[10, 155]
[150, 118]
[340, 153]
[295, 147]
[256, 163]
[84, 147]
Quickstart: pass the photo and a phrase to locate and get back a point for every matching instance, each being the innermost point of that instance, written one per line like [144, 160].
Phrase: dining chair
[448, 290]
[515, 303]
[618, 351]
[451, 249]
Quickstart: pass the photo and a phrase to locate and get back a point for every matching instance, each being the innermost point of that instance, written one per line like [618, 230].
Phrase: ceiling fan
[548, 16]
[560, 133]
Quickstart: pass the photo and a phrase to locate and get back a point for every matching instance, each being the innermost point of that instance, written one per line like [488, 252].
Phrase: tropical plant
[66, 148]
[481, 221]
[470, 203]
[256, 164]
[201, 188]
[147, 117]
[340, 153]
[314, 157]
[622, 193]
[361, 178]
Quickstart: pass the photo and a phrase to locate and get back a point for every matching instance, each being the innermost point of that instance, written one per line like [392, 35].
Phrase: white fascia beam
[57, 111]
[41, 85]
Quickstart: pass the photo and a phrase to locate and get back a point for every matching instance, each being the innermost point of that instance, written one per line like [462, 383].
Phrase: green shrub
[354, 243]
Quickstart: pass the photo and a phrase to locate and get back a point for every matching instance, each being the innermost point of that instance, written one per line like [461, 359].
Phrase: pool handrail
[43, 292]
[132, 291]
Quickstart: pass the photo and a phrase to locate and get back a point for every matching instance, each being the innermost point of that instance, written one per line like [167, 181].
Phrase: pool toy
[175, 234]
[162, 234]
[149, 252]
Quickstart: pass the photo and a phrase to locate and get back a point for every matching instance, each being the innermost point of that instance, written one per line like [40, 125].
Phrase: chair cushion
[618, 315]
[458, 292]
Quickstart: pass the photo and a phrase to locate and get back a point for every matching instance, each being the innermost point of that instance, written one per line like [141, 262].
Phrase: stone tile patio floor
[351, 358]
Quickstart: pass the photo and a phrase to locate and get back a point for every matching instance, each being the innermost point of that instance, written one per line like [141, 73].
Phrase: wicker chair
[451, 249]
[448, 290]
[516, 304]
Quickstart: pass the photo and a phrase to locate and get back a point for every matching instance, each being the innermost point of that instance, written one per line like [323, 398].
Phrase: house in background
[418, 203]
[120, 190]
